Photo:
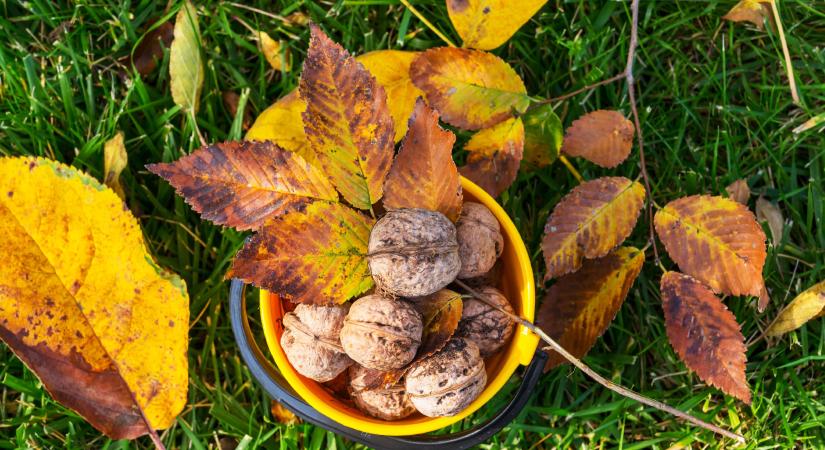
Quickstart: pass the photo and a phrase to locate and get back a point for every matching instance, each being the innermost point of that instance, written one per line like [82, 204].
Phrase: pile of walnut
[412, 253]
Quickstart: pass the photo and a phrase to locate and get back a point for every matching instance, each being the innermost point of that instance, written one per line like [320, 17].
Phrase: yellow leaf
[753, 11]
[83, 304]
[806, 306]
[495, 156]
[282, 124]
[271, 50]
[185, 65]
[391, 68]
[469, 88]
[486, 24]
[114, 161]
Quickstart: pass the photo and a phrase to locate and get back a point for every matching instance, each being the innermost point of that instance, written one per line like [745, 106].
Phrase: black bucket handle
[276, 386]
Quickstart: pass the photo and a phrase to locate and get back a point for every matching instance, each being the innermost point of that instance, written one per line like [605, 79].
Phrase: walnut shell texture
[382, 333]
[488, 328]
[446, 382]
[413, 252]
[388, 404]
[310, 341]
[480, 242]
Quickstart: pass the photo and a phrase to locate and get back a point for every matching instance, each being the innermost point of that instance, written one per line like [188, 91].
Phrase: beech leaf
[495, 156]
[543, 134]
[601, 137]
[243, 184]
[114, 161]
[487, 24]
[806, 306]
[185, 65]
[705, 334]
[589, 222]
[83, 304]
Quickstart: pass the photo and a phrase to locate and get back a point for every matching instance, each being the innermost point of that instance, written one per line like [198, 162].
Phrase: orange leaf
[242, 184]
[423, 174]
[282, 414]
[589, 222]
[347, 121]
[471, 89]
[580, 306]
[715, 240]
[495, 156]
[705, 334]
[318, 255]
[601, 137]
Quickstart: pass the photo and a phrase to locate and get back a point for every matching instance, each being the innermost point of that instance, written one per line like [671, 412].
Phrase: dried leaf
[753, 11]
[705, 334]
[347, 121]
[601, 137]
[487, 24]
[271, 49]
[716, 241]
[542, 136]
[282, 414]
[149, 50]
[185, 65]
[318, 255]
[739, 191]
[114, 161]
[766, 211]
[423, 174]
[589, 222]
[391, 68]
[282, 123]
[471, 89]
[495, 156]
[83, 304]
[243, 184]
[298, 18]
[806, 306]
[580, 306]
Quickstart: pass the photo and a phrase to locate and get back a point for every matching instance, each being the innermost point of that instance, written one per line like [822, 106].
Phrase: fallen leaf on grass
[185, 65]
[766, 211]
[739, 191]
[601, 137]
[753, 11]
[543, 135]
[806, 306]
[487, 24]
[271, 49]
[114, 161]
[149, 51]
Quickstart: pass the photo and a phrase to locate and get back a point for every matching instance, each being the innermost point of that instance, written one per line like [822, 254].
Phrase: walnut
[310, 341]
[479, 240]
[389, 404]
[487, 327]
[413, 252]
[445, 383]
[381, 333]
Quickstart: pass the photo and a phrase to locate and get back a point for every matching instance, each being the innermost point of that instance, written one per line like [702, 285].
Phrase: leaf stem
[428, 23]
[598, 378]
[786, 53]
[571, 168]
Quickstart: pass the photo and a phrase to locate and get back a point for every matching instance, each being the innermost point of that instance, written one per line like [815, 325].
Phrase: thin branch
[788, 66]
[576, 92]
[631, 92]
[428, 23]
[598, 378]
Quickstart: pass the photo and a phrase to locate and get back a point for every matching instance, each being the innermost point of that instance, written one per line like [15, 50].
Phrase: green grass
[714, 105]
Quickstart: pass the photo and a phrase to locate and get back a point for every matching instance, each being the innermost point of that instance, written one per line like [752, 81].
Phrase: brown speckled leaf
[717, 241]
[602, 137]
[242, 184]
[495, 156]
[347, 121]
[705, 334]
[580, 306]
[317, 255]
[423, 174]
[589, 222]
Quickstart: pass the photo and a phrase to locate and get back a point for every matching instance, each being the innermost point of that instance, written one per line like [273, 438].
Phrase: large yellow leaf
[185, 65]
[83, 304]
[347, 121]
[486, 24]
[580, 306]
[471, 89]
[391, 68]
[423, 174]
[318, 255]
[717, 241]
[283, 124]
[242, 184]
[495, 156]
[591, 220]
[806, 306]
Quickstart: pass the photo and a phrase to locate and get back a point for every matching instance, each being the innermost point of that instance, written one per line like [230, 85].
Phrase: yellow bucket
[516, 283]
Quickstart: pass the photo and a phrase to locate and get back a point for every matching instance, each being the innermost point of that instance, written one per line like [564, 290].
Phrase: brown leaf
[705, 334]
[717, 241]
[495, 156]
[753, 11]
[423, 174]
[739, 191]
[150, 49]
[283, 415]
[242, 184]
[766, 211]
[580, 306]
[347, 121]
[601, 137]
[589, 222]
